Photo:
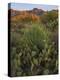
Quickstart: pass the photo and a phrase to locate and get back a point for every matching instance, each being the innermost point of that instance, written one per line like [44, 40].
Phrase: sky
[25, 6]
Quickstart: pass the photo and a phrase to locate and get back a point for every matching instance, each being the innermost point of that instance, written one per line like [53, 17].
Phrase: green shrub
[33, 52]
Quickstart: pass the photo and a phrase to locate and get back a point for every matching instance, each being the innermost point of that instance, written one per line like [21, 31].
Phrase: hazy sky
[24, 6]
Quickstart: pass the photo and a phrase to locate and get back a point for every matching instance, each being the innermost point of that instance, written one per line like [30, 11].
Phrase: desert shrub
[33, 52]
[50, 19]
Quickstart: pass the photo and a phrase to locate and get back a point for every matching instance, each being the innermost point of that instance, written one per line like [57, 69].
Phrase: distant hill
[28, 15]
[35, 11]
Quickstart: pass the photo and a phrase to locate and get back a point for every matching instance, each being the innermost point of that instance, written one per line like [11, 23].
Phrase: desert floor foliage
[34, 44]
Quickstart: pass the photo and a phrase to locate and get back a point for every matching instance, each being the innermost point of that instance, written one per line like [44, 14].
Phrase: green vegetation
[34, 45]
